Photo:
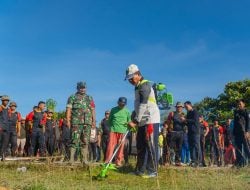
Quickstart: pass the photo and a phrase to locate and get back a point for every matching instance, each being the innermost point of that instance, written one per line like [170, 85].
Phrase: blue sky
[195, 47]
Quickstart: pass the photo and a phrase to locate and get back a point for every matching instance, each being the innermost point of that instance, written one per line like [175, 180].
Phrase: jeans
[194, 146]
[185, 154]
[242, 150]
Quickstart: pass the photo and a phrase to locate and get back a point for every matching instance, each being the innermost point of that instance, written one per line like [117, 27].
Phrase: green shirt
[118, 119]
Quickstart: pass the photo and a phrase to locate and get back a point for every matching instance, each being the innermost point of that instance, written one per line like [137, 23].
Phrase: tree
[60, 115]
[51, 104]
[222, 107]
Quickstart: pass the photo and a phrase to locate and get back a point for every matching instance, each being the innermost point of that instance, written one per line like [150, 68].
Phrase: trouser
[92, 151]
[194, 146]
[160, 154]
[126, 150]
[166, 150]
[202, 149]
[9, 137]
[176, 139]
[21, 143]
[185, 154]
[242, 150]
[1, 136]
[104, 144]
[27, 147]
[80, 137]
[66, 148]
[98, 153]
[155, 143]
[215, 154]
[50, 143]
[115, 139]
[230, 155]
[37, 142]
[147, 149]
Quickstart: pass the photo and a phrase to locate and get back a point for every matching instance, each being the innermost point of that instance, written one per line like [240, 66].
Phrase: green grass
[46, 177]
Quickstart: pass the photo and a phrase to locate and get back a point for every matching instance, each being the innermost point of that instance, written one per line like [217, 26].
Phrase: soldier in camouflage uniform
[80, 116]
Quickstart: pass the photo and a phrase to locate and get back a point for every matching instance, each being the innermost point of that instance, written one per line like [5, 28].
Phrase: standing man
[80, 115]
[216, 146]
[28, 127]
[192, 121]
[65, 139]
[50, 133]
[10, 136]
[241, 134]
[4, 122]
[147, 118]
[176, 135]
[21, 137]
[118, 121]
[204, 130]
[105, 130]
[37, 119]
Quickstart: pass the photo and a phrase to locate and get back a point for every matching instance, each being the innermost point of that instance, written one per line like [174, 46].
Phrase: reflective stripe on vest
[150, 99]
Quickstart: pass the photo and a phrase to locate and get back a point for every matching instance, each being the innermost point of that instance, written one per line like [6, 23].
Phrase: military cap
[13, 104]
[5, 97]
[81, 84]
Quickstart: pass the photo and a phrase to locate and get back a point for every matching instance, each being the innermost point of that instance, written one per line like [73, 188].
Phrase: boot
[85, 155]
[72, 155]
[3, 158]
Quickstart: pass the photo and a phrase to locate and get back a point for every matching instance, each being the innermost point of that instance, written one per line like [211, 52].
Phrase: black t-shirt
[241, 122]
[193, 122]
[105, 127]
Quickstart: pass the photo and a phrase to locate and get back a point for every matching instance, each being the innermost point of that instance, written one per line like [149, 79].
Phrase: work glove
[149, 130]
[133, 130]
[132, 127]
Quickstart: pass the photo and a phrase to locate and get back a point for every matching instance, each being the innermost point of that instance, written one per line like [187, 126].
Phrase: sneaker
[183, 164]
[177, 164]
[151, 175]
[204, 165]
[194, 165]
[118, 166]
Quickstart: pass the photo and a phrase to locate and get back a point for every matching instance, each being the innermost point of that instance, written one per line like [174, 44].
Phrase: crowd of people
[184, 138]
[207, 143]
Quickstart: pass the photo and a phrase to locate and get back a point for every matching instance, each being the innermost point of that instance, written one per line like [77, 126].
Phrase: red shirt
[19, 117]
[30, 116]
[221, 130]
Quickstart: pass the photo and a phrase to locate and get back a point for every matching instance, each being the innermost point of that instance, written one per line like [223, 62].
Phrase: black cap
[122, 100]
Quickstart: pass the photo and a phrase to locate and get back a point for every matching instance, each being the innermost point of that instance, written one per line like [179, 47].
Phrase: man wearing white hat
[147, 118]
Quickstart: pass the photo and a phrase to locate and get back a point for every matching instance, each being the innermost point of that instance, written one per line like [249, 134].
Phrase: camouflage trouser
[80, 137]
